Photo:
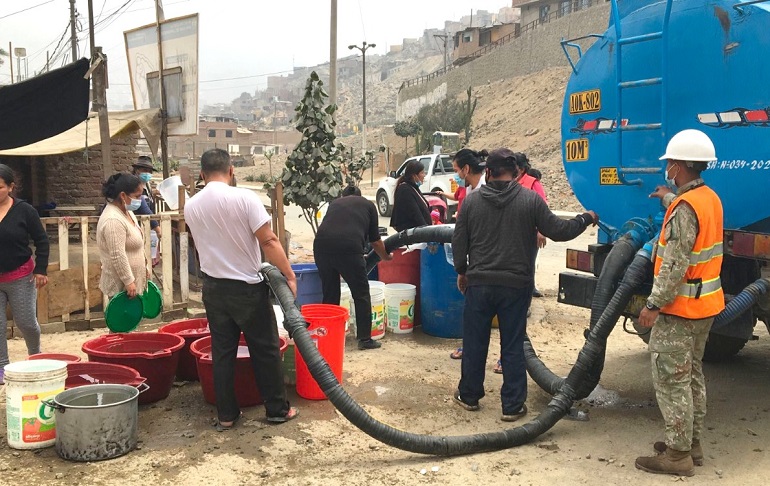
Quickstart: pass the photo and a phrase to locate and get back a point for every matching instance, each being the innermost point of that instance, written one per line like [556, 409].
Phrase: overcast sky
[245, 39]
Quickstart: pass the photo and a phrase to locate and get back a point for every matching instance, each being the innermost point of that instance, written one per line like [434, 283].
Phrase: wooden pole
[163, 114]
[10, 59]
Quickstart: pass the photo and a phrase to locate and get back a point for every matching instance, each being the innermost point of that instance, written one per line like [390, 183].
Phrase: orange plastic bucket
[327, 328]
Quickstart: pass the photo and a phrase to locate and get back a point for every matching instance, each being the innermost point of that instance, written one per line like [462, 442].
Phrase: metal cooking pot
[96, 422]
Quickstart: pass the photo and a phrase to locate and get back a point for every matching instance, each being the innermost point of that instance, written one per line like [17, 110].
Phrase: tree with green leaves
[312, 176]
[354, 169]
[406, 128]
[445, 116]
[3, 53]
[468, 109]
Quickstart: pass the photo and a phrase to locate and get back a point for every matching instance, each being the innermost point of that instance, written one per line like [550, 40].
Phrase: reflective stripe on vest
[700, 295]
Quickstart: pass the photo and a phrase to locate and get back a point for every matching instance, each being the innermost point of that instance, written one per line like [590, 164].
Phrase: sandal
[221, 427]
[457, 353]
[290, 415]
[498, 368]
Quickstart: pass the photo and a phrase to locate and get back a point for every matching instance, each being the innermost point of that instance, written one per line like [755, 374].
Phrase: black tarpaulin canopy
[43, 106]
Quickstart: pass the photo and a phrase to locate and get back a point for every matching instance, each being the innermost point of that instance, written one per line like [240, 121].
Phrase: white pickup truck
[439, 175]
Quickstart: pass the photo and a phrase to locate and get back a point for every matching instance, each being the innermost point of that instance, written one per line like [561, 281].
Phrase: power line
[24, 10]
[361, 14]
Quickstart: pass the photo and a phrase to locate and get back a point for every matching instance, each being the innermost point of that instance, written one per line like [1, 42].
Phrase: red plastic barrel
[94, 373]
[403, 268]
[154, 355]
[69, 358]
[327, 328]
[190, 330]
[246, 391]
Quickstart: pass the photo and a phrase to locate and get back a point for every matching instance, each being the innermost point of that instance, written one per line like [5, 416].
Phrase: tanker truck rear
[659, 68]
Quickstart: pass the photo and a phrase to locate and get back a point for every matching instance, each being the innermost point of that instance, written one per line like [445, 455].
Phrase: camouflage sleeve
[680, 232]
[668, 199]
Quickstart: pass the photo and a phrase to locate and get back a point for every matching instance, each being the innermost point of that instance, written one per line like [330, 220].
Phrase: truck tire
[721, 348]
[383, 205]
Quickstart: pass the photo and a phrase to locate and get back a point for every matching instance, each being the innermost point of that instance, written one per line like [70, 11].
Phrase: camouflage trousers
[676, 347]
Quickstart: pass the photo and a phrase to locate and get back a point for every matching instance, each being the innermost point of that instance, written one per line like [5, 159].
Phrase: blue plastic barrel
[309, 289]
[441, 302]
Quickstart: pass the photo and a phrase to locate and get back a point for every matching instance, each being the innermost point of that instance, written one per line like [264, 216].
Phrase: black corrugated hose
[425, 444]
[741, 302]
[615, 265]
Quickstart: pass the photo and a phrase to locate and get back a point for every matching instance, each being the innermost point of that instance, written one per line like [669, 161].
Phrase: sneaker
[467, 406]
[536, 293]
[368, 344]
[515, 416]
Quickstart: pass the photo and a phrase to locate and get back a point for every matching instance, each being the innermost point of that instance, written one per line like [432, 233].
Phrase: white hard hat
[690, 146]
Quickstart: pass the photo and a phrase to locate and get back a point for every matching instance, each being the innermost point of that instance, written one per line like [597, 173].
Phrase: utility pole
[10, 59]
[163, 114]
[333, 54]
[444, 37]
[363, 49]
[73, 35]
[99, 85]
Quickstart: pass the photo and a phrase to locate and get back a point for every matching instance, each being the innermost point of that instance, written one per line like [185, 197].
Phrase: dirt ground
[408, 384]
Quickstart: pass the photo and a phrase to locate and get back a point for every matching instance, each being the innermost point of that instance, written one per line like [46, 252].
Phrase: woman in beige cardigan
[121, 245]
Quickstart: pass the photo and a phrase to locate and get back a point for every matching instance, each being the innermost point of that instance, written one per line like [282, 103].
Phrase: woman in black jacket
[410, 208]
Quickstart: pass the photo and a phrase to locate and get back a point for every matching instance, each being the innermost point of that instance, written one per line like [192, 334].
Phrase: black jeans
[352, 267]
[232, 307]
[482, 303]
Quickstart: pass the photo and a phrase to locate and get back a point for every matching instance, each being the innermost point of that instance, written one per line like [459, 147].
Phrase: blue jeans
[482, 303]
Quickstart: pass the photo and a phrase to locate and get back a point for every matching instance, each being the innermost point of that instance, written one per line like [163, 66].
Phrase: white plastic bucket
[346, 301]
[169, 190]
[377, 294]
[399, 307]
[31, 424]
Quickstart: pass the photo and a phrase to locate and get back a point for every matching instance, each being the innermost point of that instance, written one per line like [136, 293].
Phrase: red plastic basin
[95, 373]
[69, 358]
[246, 391]
[190, 330]
[154, 355]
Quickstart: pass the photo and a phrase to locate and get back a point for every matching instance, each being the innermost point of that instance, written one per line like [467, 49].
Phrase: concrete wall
[532, 52]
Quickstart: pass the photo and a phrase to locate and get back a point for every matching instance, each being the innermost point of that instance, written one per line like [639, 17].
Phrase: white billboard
[180, 70]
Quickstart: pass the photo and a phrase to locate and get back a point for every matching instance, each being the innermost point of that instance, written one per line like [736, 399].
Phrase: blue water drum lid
[301, 268]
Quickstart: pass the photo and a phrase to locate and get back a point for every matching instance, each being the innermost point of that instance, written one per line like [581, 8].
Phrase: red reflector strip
[756, 116]
[580, 260]
[743, 244]
[590, 125]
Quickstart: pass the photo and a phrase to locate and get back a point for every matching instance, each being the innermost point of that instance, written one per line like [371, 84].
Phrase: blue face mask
[418, 183]
[671, 180]
[134, 204]
[459, 180]
[145, 176]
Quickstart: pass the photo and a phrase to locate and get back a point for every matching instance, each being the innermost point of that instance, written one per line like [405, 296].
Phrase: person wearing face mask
[533, 183]
[492, 244]
[410, 208]
[469, 174]
[120, 241]
[686, 295]
[143, 169]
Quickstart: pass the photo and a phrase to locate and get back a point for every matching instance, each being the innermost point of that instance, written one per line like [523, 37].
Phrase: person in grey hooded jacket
[493, 242]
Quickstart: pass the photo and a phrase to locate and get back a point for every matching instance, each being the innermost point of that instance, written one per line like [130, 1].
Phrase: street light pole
[363, 49]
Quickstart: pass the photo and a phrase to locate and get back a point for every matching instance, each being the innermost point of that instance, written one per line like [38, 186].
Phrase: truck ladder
[623, 85]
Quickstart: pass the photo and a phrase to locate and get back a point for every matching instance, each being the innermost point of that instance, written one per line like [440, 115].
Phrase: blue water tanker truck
[659, 68]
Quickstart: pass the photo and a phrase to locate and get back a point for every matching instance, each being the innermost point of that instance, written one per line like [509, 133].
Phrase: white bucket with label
[346, 301]
[399, 307]
[377, 295]
[32, 424]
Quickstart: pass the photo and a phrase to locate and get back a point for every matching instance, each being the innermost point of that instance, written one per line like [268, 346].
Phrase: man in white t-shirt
[230, 225]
